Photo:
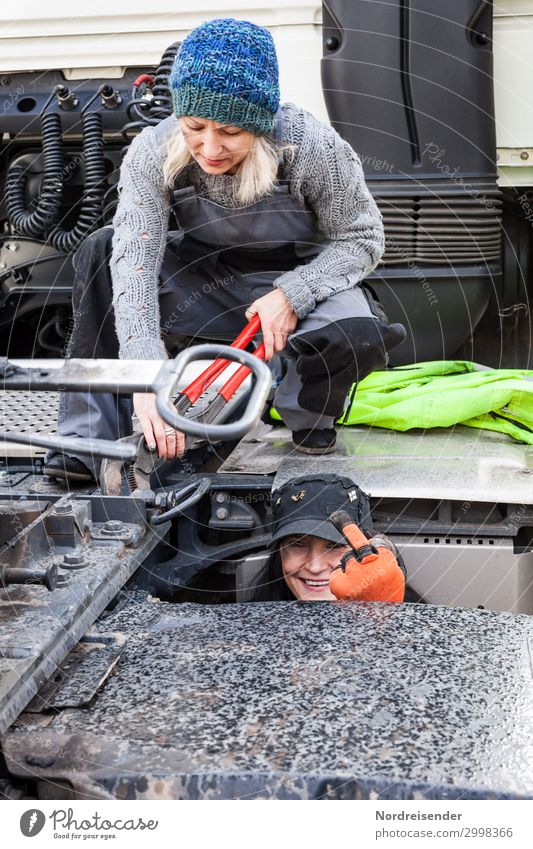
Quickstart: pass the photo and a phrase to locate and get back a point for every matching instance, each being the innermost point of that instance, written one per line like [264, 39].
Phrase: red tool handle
[204, 380]
[231, 385]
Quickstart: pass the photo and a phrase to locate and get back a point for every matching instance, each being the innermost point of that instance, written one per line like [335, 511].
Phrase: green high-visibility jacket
[444, 393]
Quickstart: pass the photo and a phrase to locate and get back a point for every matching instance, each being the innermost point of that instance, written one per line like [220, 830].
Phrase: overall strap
[278, 124]
[278, 134]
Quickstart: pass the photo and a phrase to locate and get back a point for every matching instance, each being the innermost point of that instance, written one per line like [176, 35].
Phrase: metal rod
[76, 445]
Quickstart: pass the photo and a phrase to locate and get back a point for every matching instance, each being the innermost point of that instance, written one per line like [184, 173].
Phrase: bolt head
[73, 559]
[113, 525]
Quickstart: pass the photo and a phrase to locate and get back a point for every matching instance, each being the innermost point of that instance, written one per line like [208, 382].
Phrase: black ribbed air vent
[442, 227]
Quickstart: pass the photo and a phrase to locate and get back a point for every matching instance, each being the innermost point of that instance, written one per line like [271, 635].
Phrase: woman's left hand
[278, 320]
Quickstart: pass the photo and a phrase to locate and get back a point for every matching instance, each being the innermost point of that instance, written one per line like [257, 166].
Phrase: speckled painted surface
[291, 699]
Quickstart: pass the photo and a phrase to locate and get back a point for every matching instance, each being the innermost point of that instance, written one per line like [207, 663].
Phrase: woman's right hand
[170, 443]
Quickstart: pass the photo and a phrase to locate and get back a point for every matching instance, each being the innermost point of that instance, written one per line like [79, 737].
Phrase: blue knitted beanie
[227, 70]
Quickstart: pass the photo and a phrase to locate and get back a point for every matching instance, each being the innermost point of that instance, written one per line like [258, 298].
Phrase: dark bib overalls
[217, 261]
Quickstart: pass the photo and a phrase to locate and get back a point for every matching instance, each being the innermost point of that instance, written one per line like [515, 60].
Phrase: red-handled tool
[139, 473]
[191, 394]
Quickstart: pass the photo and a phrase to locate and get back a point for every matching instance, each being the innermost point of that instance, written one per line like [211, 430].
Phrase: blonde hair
[256, 174]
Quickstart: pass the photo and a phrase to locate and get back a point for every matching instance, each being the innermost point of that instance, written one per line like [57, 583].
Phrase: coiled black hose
[94, 189]
[144, 112]
[48, 205]
[161, 103]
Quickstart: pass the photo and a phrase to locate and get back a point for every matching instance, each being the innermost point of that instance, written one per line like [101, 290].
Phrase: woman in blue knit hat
[270, 215]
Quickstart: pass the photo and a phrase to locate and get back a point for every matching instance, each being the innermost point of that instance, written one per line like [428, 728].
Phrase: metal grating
[27, 412]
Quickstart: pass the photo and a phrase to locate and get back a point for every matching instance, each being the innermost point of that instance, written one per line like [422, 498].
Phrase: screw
[113, 527]
[222, 513]
[5, 80]
[12, 246]
[74, 559]
[51, 576]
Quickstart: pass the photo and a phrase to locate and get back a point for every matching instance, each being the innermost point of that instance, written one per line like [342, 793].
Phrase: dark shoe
[69, 468]
[315, 441]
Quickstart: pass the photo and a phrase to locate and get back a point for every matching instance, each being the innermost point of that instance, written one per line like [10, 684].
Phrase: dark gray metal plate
[293, 700]
[38, 628]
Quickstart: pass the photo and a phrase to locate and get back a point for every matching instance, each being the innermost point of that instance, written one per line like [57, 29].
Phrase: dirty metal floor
[38, 628]
[459, 464]
[292, 700]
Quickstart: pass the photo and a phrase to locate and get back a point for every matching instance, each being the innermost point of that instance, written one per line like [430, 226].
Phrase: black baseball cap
[304, 504]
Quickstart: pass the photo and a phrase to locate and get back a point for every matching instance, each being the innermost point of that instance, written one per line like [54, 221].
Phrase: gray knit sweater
[325, 172]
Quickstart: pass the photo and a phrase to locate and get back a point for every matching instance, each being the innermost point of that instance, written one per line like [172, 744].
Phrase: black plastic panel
[410, 77]
[409, 84]
[439, 309]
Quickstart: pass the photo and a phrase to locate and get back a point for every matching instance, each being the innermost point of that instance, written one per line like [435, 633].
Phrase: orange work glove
[365, 575]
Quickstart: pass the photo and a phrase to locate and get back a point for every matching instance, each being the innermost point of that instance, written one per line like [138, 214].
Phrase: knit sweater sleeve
[328, 175]
[138, 246]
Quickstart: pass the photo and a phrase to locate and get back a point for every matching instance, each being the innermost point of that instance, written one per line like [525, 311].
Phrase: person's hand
[278, 320]
[170, 443]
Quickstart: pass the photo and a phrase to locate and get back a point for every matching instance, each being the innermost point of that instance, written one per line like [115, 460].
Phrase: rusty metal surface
[292, 700]
[39, 627]
[77, 680]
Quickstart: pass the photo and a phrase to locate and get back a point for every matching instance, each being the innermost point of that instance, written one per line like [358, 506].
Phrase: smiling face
[307, 562]
[217, 148]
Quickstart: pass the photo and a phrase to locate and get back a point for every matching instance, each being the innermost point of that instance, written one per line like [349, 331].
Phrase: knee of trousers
[96, 245]
[329, 360]
[91, 263]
